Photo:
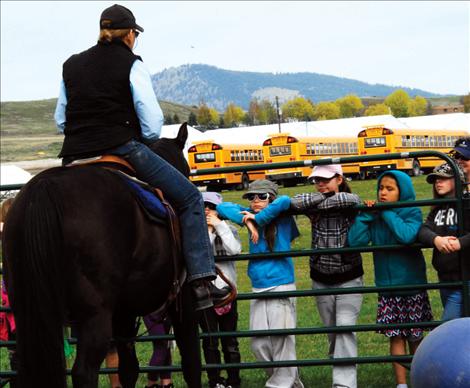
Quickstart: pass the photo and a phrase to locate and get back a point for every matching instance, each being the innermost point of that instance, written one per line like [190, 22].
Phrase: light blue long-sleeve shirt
[265, 273]
[145, 103]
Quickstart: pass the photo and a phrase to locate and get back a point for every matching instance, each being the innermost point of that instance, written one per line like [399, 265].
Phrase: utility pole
[278, 114]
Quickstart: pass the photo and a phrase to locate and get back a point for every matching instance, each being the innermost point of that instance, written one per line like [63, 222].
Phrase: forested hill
[193, 84]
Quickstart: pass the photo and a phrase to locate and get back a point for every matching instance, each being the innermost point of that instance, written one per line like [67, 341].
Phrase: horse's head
[172, 150]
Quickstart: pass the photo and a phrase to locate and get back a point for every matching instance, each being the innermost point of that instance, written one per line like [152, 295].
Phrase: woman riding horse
[78, 248]
[107, 104]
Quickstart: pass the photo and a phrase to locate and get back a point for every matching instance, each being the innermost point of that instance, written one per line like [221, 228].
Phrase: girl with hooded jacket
[396, 267]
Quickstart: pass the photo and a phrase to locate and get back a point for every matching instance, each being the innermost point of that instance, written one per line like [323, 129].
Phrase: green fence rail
[464, 284]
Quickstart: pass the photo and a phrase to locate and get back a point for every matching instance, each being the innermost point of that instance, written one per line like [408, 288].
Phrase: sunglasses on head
[260, 197]
[210, 206]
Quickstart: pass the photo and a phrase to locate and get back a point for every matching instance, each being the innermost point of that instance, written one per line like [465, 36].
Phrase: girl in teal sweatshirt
[396, 267]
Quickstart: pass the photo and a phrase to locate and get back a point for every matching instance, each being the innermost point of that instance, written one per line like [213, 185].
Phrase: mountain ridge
[192, 84]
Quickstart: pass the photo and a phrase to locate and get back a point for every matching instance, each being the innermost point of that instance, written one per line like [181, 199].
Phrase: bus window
[280, 150]
[206, 157]
[374, 142]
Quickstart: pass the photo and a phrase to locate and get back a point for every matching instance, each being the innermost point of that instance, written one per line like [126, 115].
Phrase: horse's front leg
[94, 335]
[124, 328]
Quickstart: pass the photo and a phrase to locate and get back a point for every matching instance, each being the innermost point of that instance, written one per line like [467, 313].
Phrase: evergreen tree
[192, 119]
[168, 120]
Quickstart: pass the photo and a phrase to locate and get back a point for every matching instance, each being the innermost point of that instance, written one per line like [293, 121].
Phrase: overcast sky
[419, 44]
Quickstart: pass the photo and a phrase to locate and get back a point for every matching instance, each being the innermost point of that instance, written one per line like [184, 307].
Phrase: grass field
[310, 346]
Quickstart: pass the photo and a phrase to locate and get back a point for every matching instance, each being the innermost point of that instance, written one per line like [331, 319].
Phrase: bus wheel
[245, 182]
[415, 169]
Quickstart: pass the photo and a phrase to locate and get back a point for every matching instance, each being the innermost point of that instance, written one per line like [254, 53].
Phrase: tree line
[261, 112]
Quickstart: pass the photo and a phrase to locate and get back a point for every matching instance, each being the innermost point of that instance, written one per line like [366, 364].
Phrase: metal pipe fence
[464, 284]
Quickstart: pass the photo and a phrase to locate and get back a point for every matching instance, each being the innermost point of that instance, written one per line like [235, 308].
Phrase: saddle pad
[149, 202]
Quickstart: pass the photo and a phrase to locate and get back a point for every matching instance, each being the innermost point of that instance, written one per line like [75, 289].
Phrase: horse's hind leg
[185, 325]
[94, 336]
[124, 328]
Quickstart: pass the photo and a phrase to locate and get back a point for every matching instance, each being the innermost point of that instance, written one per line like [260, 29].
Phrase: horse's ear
[182, 135]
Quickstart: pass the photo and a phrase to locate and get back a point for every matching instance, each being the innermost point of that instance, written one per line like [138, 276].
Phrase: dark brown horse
[76, 245]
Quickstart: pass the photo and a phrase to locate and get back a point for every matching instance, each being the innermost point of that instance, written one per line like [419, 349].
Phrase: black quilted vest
[100, 112]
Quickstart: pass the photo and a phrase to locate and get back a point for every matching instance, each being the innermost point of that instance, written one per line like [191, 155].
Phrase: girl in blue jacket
[269, 232]
[396, 267]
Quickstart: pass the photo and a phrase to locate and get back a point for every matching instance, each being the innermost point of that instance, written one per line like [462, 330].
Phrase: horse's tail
[39, 288]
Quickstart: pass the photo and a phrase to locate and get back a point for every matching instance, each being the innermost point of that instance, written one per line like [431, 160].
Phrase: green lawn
[311, 346]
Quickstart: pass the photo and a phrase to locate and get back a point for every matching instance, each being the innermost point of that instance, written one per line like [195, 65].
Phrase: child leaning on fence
[396, 267]
[331, 214]
[225, 242]
[440, 231]
[270, 232]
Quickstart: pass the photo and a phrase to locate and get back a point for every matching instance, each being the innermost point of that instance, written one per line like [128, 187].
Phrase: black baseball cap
[119, 17]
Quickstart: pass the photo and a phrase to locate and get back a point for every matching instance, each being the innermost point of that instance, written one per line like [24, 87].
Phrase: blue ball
[442, 360]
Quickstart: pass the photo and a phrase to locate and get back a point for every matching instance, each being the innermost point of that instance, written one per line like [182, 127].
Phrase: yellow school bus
[207, 154]
[282, 147]
[378, 139]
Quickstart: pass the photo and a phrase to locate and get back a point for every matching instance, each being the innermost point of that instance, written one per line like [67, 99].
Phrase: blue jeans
[452, 302]
[186, 199]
